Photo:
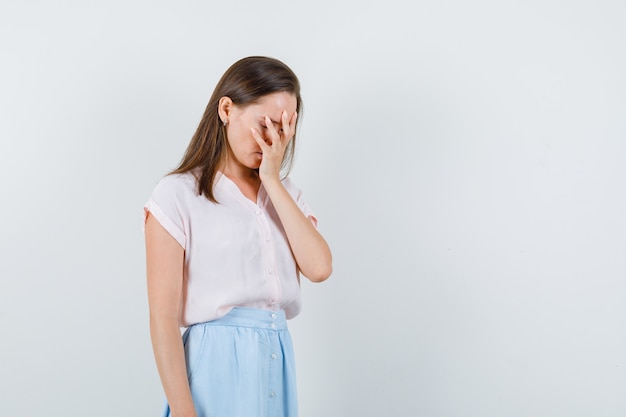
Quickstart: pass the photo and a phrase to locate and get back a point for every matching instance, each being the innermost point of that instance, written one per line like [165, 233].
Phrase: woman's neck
[246, 179]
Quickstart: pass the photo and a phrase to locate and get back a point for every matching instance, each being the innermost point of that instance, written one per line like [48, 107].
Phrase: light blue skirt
[241, 365]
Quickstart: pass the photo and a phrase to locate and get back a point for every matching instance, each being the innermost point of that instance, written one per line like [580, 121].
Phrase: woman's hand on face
[274, 146]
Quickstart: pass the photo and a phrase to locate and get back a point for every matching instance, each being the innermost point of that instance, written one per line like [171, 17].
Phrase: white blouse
[236, 251]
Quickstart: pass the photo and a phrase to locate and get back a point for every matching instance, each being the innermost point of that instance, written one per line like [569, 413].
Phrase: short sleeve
[167, 205]
[296, 194]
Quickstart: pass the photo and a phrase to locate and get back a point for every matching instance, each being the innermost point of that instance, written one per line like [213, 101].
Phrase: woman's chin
[255, 163]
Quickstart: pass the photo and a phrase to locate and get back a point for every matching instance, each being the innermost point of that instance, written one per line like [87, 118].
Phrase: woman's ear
[224, 108]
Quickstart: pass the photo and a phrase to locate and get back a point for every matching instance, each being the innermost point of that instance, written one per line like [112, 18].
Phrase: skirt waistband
[251, 317]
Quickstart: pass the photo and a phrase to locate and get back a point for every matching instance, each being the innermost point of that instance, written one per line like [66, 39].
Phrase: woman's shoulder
[178, 179]
[296, 194]
[177, 184]
[291, 187]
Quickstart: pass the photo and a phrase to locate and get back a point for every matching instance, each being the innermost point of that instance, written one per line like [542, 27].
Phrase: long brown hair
[245, 82]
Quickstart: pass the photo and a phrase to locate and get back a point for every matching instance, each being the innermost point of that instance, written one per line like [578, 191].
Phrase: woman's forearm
[309, 248]
[170, 359]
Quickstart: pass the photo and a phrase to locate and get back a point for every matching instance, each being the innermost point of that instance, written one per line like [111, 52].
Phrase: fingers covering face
[287, 128]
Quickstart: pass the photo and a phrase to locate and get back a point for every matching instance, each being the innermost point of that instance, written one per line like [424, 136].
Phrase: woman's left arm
[309, 248]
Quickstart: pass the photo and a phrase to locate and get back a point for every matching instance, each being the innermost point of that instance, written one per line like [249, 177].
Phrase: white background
[466, 161]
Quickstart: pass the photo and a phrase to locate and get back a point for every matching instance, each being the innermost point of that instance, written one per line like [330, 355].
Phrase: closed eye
[277, 125]
[278, 129]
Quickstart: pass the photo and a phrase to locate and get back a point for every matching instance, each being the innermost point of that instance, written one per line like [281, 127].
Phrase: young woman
[226, 240]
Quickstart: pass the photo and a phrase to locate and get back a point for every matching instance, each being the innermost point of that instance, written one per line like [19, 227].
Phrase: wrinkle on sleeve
[167, 207]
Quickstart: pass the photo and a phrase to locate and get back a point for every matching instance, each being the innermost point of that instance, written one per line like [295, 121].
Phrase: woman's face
[245, 152]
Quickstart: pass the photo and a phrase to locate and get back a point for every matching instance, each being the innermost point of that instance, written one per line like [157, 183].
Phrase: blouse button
[258, 212]
[273, 325]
